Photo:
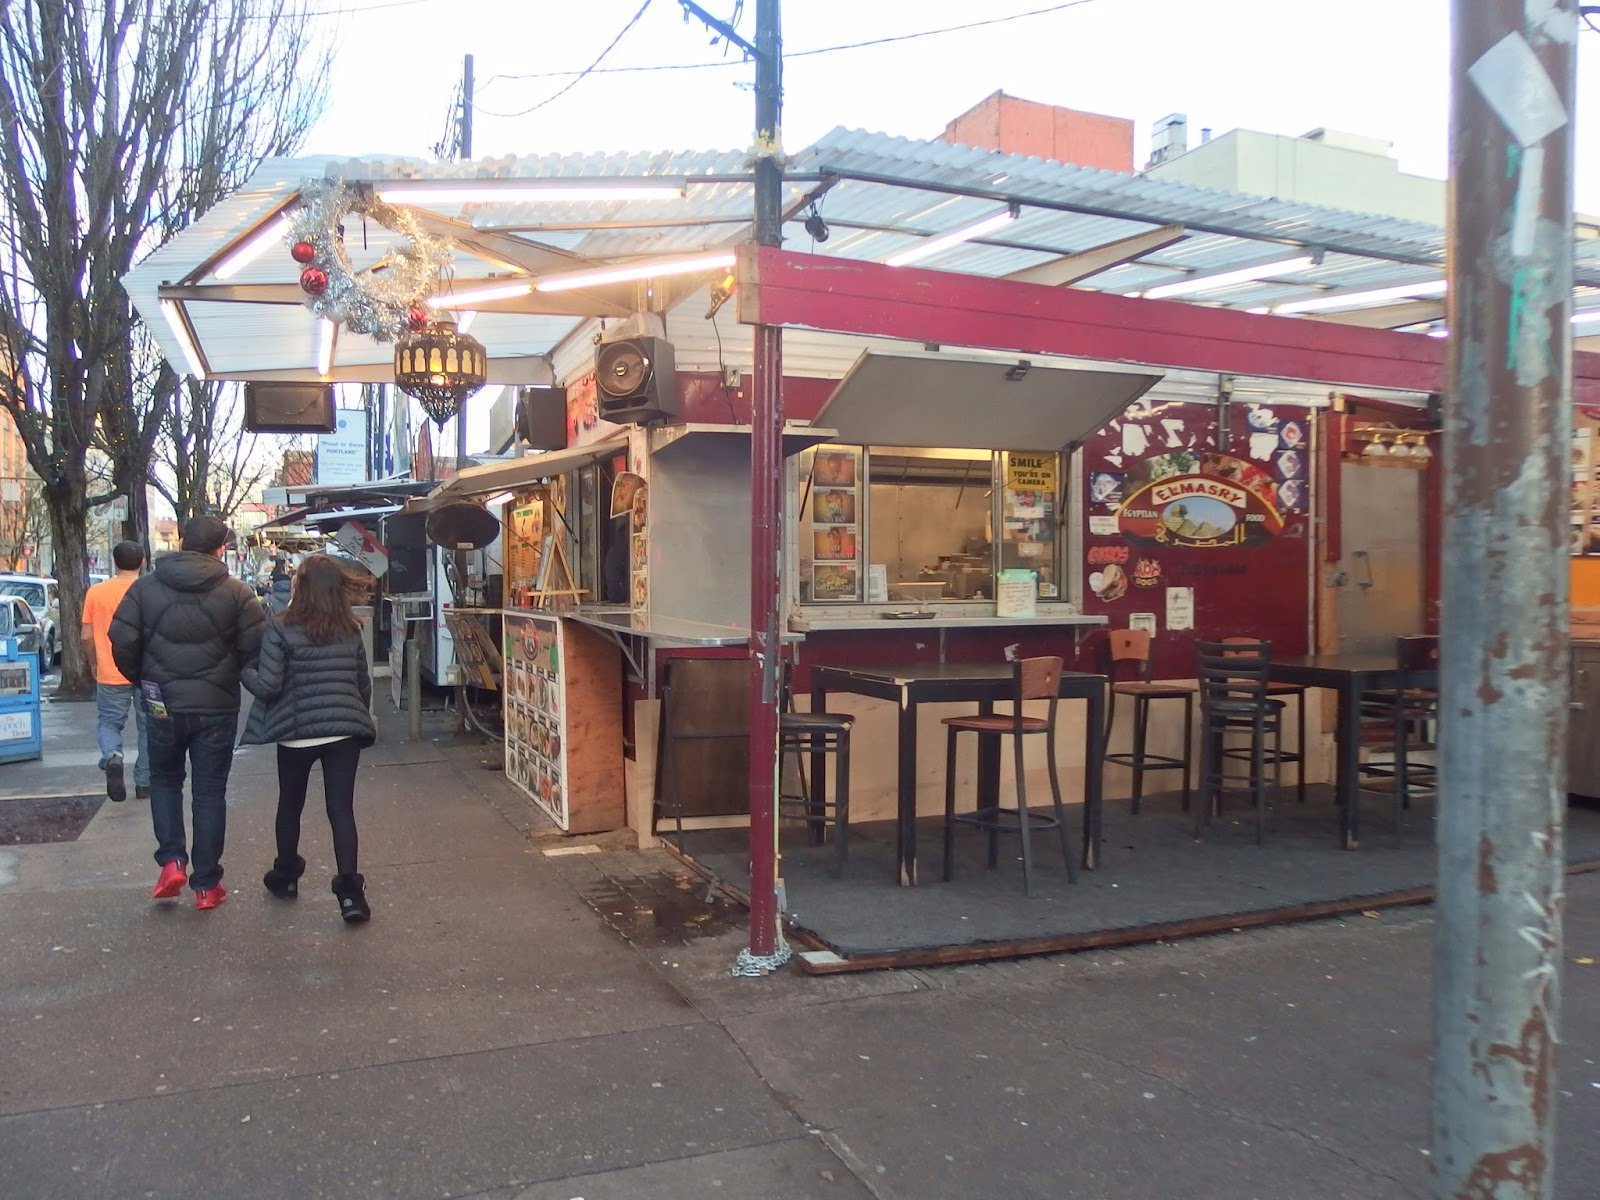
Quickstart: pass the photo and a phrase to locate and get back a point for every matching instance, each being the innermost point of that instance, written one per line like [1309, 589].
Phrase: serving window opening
[906, 524]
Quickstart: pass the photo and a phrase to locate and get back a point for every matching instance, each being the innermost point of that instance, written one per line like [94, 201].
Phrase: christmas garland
[382, 300]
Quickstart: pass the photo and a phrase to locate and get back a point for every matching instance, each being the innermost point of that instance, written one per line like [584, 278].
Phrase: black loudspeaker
[636, 380]
[542, 417]
[289, 408]
[407, 540]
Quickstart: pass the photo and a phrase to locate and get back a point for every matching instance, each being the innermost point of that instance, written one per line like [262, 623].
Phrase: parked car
[40, 592]
[17, 620]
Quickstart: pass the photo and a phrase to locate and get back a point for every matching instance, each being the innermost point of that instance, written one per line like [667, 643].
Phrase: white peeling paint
[1525, 208]
[1513, 82]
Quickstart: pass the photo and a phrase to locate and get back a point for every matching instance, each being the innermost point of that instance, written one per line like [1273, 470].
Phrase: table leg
[819, 763]
[906, 837]
[1093, 764]
[1349, 743]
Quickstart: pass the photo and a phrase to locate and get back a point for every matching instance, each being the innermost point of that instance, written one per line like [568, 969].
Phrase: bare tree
[120, 120]
[24, 524]
[212, 463]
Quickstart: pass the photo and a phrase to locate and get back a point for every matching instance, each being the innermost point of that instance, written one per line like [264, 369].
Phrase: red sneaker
[211, 897]
[171, 881]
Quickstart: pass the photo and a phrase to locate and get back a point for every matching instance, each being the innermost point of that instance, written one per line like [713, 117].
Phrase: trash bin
[20, 735]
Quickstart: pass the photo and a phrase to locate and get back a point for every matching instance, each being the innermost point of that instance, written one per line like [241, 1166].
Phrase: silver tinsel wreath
[377, 300]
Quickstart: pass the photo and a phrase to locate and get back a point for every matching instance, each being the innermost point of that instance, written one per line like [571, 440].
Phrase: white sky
[1374, 67]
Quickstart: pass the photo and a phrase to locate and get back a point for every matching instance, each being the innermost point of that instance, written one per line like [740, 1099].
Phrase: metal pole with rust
[1504, 664]
[766, 512]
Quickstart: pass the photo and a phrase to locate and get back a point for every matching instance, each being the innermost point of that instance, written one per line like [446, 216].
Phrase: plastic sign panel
[1199, 501]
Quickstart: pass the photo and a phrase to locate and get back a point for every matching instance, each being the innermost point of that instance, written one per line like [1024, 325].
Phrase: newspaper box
[19, 703]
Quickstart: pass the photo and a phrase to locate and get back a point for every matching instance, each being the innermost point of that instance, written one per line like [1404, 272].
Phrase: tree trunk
[68, 531]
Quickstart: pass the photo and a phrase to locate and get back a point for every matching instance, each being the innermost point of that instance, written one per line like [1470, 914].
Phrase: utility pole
[464, 154]
[766, 950]
[1504, 667]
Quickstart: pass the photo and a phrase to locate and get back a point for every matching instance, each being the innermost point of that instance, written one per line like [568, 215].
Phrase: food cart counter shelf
[671, 630]
[820, 623]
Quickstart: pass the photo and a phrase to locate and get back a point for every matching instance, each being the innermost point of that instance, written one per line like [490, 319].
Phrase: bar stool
[1298, 754]
[1401, 719]
[1233, 697]
[1035, 679]
[1133, 646]
[817, 735]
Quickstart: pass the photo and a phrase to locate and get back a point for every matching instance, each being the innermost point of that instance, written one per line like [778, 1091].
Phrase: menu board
[831, 523]
[1028, 517]
[524, 536]
[535, 711]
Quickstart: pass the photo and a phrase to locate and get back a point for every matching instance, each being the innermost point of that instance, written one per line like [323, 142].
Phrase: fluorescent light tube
[252, 248]
[326, 332]
[478, 193]
[1206, 283]
[464, 320]
[497, 498]
[1586, 316]
[180, 330]
[1405, 291]
[499, 291]
[604, 275]
[933, 245]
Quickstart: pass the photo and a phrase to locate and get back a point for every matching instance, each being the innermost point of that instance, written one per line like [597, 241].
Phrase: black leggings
[339, 762]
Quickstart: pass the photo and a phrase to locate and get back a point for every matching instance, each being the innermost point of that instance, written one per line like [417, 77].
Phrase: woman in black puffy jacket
[313, 696]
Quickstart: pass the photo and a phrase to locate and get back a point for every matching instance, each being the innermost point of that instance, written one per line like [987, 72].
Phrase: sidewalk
[494, 1032]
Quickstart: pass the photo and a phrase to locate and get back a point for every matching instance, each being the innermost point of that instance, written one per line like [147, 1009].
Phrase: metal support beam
[1504, 666]
[1085, 263]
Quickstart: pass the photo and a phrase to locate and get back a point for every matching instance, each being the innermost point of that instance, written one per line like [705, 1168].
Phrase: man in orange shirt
[113, 694]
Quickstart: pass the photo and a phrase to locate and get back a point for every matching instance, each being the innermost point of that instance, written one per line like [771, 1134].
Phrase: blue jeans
[205, 745]
[113, 701]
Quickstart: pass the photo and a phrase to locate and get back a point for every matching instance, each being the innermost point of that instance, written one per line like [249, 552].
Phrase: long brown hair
[321, 601]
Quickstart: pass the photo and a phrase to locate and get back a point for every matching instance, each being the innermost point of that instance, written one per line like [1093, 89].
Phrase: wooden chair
[1403, 718]
[1035, 679]
[821, 734]
[1232, 675]
[1132, 646]
[1297, 756]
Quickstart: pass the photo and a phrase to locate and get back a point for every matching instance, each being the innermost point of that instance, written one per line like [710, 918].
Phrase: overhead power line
[702, 66]
[577, 78]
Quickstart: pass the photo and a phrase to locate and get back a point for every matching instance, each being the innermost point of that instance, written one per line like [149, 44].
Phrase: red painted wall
[1256, 590]
[703, 399]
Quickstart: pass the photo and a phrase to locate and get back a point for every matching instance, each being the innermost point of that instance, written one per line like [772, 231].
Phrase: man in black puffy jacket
[182, 634]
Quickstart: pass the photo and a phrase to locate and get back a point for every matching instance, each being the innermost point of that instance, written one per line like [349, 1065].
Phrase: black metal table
[913, 684]
[1349, 675]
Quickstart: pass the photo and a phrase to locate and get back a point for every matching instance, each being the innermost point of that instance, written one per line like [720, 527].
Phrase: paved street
[513, 1024]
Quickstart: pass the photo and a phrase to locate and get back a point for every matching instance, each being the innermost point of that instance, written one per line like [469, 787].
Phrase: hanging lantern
[440, 367]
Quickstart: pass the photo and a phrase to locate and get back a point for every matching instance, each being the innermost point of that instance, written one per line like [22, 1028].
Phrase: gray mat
[1154, 874]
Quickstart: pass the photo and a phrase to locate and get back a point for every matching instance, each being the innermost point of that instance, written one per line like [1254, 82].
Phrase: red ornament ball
[303, 252]
[313, 281]
[416, 318]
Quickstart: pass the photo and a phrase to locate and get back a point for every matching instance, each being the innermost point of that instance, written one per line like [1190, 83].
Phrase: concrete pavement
[492, 1033]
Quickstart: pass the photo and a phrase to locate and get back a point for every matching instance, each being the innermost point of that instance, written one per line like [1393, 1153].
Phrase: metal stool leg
[1258, 782]
[1141, 726]
[1300, 747]
[1188, 746]
[1023, 821]
[1061, 815]
[841, 803]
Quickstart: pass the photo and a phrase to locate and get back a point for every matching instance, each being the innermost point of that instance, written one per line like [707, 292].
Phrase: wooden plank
[591, 672]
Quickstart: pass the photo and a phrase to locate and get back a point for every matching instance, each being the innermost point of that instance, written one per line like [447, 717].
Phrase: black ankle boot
[282, 880]
[352, 894]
